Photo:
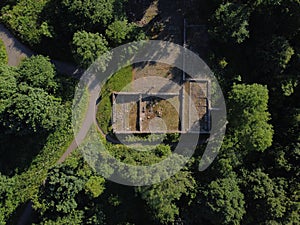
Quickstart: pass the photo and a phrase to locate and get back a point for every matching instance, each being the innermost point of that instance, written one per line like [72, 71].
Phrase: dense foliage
[3, 53]
[255, 53]
[68, 193]
[230, 23]
[47, 25]
[88, 47]
[35, 128]
[28, 102]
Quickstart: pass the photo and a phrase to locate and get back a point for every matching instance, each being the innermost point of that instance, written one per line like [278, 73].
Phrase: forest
[254, 52]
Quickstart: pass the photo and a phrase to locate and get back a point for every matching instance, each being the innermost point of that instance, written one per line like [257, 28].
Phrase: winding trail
[172, 18]
[16, 52]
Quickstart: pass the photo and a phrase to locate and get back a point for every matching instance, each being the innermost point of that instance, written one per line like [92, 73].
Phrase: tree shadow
[123, 201]
[136, 9]
[17, 152]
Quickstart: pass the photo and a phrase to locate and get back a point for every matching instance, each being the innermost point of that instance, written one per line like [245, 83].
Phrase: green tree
[95, 186]
[25, 19]
[274, 55]
[92, 11]
[223, 201]
[230, 23]
[87, 47]
[161, 198]
[266, 197]
[75, 217]
[3, 53]
[6, 195]
[38, 72]
[248, 117]
[32, 110]
[8, 86]
[118, 31]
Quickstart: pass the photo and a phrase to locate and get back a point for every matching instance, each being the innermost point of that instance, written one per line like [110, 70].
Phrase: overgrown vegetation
[116, 83]
[35, 131]
[3, 53]
[47, 25]
[254, 52]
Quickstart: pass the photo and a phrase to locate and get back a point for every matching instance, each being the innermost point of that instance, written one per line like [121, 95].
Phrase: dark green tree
[229, 23]
[274, 55]
[223, 202]
[67, 16]
[161, 198]
[38, 72]
[266, 198]
[75, 217]
[93, 11]
[32, 110]
[61, 188]
[69, 194]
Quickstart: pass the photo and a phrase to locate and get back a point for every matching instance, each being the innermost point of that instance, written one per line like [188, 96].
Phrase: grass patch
[116, 83]
[165, 110]
[79, 108]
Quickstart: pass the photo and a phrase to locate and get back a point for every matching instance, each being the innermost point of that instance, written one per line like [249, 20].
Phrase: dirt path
[171, 12]
[17, 51]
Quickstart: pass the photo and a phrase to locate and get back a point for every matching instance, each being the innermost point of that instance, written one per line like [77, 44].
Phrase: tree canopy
[249, 116]
[118, 31]
[3, 53]
[230, 23]
[26, 96]
[275, 54]
[161, 198]
[32, 110]
[254, 51]
[87, 47]
[38, 72]
[224, 201]
[89, 12]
